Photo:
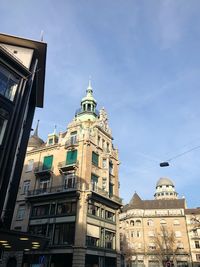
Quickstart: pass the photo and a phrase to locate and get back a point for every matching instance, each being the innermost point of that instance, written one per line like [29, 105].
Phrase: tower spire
[36, 129]
[89, 90]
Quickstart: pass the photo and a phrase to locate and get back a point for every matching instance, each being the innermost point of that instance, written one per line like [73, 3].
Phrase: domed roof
[35, 141]
[164, 181]
[89, 94]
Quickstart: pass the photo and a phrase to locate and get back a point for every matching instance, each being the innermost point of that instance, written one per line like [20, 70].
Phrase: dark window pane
[95, 158]
[8, 83]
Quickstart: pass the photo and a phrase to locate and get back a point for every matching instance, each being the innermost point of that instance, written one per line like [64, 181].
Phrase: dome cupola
[165, 189]
[88, 106]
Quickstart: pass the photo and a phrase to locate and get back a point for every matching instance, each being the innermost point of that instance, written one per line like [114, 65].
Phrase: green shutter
[47, 164]
[71, 157]
[95, 158]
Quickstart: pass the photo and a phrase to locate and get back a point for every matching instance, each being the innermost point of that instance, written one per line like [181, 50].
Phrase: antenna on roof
[42, 36]
[55, 127]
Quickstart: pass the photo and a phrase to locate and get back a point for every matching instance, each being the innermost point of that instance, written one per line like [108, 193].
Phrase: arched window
[138, 222]
[131, 223]
[150, 222]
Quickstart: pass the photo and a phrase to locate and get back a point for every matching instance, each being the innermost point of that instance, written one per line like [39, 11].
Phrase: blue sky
[143, 56]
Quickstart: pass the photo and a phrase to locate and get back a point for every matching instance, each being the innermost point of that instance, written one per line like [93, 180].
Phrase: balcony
[53, 190]
[100, 191]
[63, 166]
[195, 236]
[71, 142]
[41, 172]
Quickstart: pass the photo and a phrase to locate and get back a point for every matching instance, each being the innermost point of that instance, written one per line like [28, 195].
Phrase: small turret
[88, 106]
[34, 140]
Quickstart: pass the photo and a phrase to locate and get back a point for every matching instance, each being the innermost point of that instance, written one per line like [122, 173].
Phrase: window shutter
[71, 157]
[47, 164]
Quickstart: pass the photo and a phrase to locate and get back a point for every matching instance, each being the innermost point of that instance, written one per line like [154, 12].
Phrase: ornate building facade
[155, 232]
[69, 192]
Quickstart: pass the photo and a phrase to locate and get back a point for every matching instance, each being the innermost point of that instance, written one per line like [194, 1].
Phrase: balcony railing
[54, 190]
[42, 171]
[64, 166]
[93, 187]
[71, 142]
[79, 111]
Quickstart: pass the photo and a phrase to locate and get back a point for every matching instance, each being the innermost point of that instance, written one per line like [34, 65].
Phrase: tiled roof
[192, 211]
[137, 203]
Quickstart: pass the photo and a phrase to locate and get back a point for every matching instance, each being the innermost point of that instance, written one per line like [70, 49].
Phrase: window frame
[47, 166]
[95, 159]
[20, 213]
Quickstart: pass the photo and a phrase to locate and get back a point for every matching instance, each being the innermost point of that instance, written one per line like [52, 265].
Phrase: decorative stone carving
[103, 121]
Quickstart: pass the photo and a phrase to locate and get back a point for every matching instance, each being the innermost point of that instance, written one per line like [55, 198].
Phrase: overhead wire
[183, 153]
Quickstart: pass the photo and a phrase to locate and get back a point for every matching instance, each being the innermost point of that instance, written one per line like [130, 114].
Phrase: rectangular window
[94, 181]
[71, 157]
[198, 257]
[99, 141]
[138, 234]
[95, 158]
[73, 138]
[50, 141]
[66, 208]
[8, 83]
[44, 184]
[92, 241]
[197, 245]
[93, 209]
[47, 164]
[29, 166]
[110, 168]
[109, 240]
[21, 212]
[26, 186]
[3, 123]
[69, 180]
[110, 189]
[108, 148]
[104, 183]
[64, 234]
[103, 144]
[38, 229]
[109, 216]
[53, 208]
[40, 211]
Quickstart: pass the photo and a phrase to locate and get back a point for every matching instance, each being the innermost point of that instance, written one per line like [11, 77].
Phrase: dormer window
[50, 141]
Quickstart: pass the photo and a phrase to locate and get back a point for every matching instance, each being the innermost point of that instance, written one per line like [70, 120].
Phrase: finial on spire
[42, 36]
[36, 129]
[55, 129]
[89, 89]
